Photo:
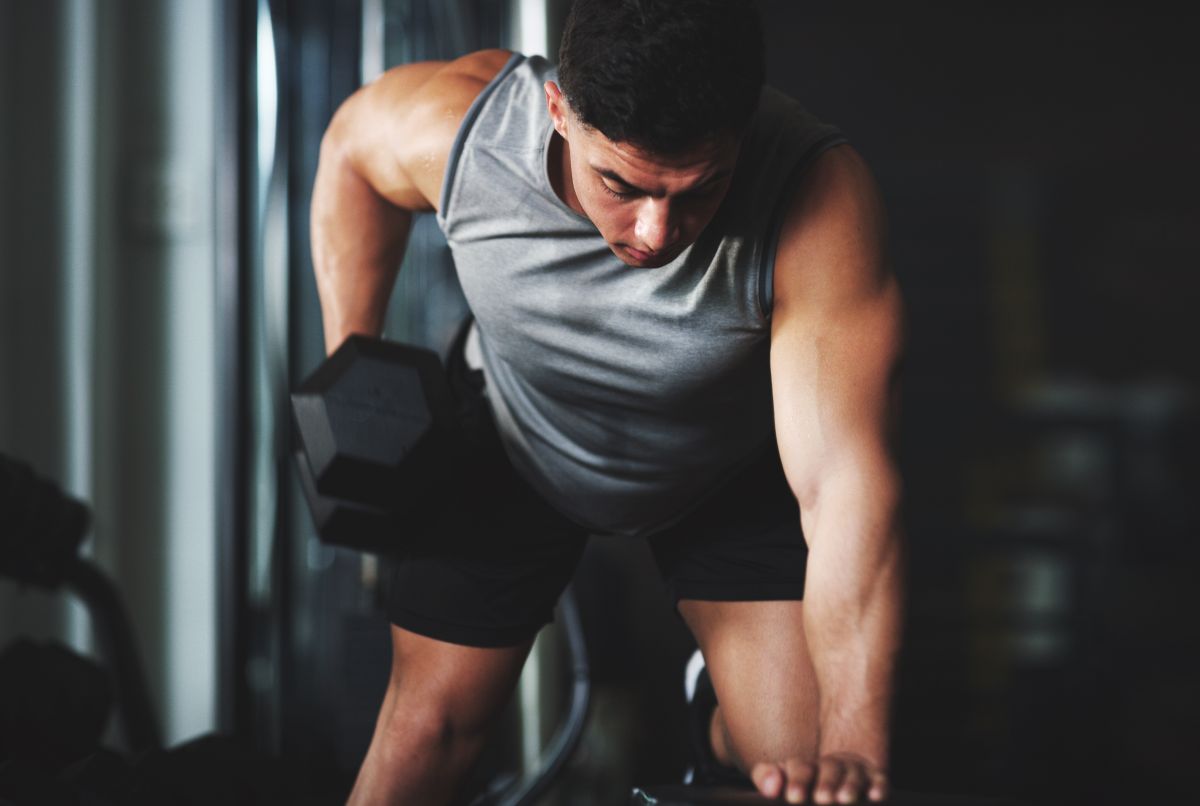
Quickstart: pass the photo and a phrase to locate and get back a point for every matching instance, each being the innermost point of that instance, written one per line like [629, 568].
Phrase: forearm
[358, 240]
[853, 608]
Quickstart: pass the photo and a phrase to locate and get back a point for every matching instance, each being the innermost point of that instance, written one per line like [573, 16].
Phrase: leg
[757, 658]
[441, 702]
[466, 598]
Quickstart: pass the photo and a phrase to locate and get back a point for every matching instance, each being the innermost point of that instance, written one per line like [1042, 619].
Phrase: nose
[656, 227]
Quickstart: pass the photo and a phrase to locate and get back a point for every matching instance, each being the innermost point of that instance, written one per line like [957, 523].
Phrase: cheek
[612, 218]
[694, 219]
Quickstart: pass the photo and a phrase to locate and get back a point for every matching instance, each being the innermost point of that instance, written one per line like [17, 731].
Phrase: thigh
[496, 587]
[758, 661]
[489, 569]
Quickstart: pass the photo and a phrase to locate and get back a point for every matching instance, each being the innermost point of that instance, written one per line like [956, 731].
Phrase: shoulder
[435, 110]
[401, 126]
[831, 250]
[443, 94]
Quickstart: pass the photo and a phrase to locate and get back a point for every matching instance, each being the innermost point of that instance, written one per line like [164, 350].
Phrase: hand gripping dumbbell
[375, 425]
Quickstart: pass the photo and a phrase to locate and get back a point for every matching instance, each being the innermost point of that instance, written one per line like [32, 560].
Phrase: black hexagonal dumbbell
[375, 426]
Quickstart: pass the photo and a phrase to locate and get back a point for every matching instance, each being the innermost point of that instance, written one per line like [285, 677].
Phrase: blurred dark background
[1039, 162]
[1040, 165]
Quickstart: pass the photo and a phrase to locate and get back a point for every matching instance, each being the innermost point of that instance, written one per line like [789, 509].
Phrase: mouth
[638, 254]
[649, 259]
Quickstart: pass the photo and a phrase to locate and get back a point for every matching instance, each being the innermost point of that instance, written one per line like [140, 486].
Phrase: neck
[560, 172]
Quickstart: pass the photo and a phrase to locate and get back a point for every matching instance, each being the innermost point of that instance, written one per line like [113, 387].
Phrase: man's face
[648, 207]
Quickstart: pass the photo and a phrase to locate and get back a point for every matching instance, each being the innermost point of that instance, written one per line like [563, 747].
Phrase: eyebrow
[608, 173]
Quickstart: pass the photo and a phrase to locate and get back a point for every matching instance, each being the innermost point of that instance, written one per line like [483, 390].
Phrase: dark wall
[1087, 111]
[1039, 163]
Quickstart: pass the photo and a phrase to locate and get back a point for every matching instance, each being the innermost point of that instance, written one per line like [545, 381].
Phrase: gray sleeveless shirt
[622, 395]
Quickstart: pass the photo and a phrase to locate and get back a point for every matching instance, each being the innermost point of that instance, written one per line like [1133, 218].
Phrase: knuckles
[833, 778]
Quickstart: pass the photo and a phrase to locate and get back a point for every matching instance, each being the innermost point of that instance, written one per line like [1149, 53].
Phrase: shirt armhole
[464, 129]
[766, 273]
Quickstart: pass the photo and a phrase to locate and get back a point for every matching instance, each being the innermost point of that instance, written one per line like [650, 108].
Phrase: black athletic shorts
[491, 570]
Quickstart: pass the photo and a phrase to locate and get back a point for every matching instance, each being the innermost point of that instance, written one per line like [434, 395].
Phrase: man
[688, 334]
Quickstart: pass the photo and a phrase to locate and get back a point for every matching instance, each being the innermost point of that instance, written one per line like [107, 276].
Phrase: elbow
[854, 476]
[334, 177]
[338, 142]
[334, 150]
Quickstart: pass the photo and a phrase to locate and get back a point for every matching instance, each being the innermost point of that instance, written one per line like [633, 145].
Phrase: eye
[616, 194]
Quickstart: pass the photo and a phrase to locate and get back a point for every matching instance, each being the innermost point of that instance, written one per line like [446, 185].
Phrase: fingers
[768, 778]
[800, 777]
[833, 779]
[830, 774]
[879, 786]
[853, 784]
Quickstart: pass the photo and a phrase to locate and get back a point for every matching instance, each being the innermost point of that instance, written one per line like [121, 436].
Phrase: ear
[556, 105]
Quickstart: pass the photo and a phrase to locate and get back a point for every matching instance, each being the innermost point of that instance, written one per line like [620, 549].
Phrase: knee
[431, 726]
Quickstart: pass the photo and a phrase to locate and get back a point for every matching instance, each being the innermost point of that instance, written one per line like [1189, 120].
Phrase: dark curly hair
[664, 75]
